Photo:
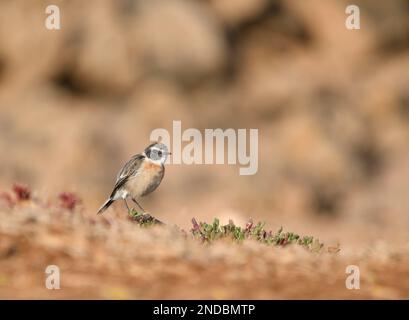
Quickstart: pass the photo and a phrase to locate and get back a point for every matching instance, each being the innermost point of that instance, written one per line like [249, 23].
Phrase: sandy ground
[112, 257]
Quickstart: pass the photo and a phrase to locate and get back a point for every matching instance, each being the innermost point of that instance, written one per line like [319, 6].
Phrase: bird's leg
[126, 203]
[138, 205]
[146, 217]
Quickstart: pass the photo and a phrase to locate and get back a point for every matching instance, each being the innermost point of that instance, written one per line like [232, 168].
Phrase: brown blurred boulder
[104, 61]
[179, 38]
[233, 12]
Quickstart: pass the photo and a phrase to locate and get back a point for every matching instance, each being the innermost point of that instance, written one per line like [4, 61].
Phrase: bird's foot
[146, 219]
[134, 213]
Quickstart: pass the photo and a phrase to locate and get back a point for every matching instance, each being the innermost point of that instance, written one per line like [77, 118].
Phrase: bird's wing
[131, 167]
[129, 170]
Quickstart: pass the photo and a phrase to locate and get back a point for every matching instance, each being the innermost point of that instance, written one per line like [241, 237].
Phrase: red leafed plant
[22, 192]
[68, 200]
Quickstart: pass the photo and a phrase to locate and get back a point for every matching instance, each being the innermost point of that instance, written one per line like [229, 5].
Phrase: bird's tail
[105, 205]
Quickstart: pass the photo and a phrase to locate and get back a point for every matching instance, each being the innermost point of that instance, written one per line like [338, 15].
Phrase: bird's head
[157, 152]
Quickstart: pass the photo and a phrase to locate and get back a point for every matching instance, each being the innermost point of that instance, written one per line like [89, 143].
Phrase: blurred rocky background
[331, 106]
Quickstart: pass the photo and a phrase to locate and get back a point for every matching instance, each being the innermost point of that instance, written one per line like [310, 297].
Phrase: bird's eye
[160, 153]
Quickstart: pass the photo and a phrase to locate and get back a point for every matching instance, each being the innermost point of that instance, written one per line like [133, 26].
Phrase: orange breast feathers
[151, 166]
[147, 175]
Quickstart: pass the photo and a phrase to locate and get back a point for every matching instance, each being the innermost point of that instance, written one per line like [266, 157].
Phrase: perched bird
[141, 175]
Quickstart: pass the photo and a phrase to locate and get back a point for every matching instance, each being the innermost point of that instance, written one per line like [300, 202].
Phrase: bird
[140, 176]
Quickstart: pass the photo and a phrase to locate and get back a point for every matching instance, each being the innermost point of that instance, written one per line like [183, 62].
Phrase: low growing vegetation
[210, 232]
[204, 232]
[214, 231]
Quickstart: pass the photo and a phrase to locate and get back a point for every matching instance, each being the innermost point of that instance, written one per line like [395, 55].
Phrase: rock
[104, 61]
[179, 38]
[233, 12]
